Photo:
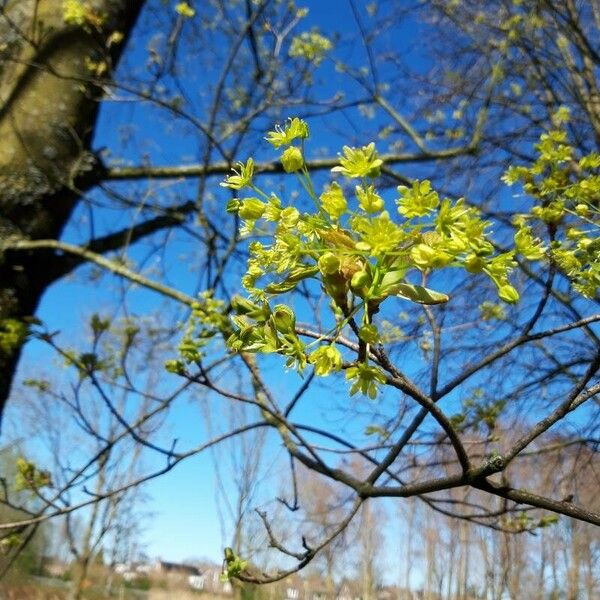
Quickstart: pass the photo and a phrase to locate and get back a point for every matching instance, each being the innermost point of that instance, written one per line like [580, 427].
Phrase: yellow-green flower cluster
[365, 379]
[418, 201]
[311, 46]
[29, 476]
[12, 334]
[259, 328]
[326, 360]
[566, 193]
[206, 321]
[357, 252]
[361, 256]
[185, 10]
[74, 12]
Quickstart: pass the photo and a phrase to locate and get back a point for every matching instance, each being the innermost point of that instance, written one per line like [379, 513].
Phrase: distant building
[164, 567]
[131, 571]
[53, 567]
[196, 582]
[292, 593]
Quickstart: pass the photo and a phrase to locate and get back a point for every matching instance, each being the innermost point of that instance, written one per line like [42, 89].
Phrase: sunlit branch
[110, 265]
[261, 168]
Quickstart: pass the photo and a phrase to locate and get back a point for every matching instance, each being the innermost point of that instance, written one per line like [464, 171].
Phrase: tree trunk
[49, 97]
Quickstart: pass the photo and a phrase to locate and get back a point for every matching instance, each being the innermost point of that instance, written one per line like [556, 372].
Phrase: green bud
[360, 279]
[292, 160]
[474, 263]
[508, 293]
[581, 210]
[233, 205]
[329, 263]
[251, 209]
[426, 256]
[284, 319]
[98, 324]
[243, 306]
[175, 366]
[369, 334]
[336, 287]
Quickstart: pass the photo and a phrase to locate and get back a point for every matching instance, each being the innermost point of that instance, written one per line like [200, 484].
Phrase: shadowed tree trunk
[50, 65]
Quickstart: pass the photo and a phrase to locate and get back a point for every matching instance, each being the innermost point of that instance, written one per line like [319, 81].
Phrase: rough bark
[49, 97]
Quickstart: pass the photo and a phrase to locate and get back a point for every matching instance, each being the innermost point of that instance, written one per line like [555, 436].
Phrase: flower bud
[426, 256]
[369, 334]
[441, 259]
[251, 209]
[243, 306]
[422, 254]
[474, 263]
[334, 202]
[292, 160]
[329, 263]
[284, 319]
[508, 293]
[360, 279]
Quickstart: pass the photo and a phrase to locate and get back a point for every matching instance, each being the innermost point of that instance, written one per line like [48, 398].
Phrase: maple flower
[359, 162]
[185, 10]
[242, 176]
[326, 359]
[293, 129]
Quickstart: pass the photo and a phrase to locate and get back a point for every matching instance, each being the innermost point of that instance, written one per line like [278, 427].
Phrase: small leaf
[377, 430]
[420, 294]
[280, 287]
[392, 278]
